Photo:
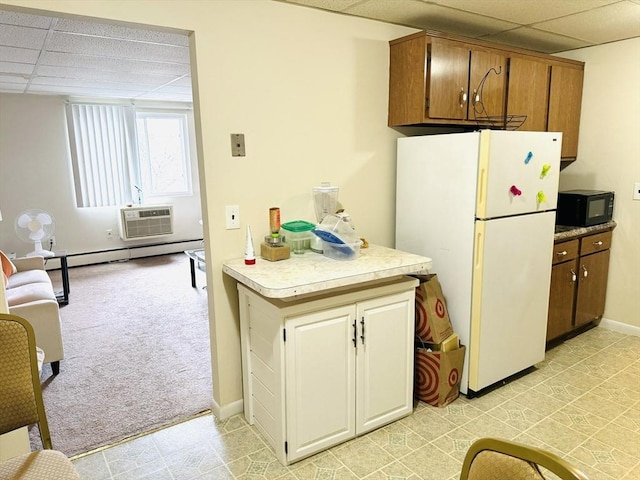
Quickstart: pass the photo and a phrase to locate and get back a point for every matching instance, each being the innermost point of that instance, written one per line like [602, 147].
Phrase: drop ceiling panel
[109, 47]
[433, 17]
[64, 73]
[13, 79]
[536, 40]
[88, 91]
[16, 68]
[121, 32]
[12, 87]
[22, 37]
[114, 64]
[18, 55]
[524, 12]
[102, 84]
[332, 5]
[596, 26]
[24, 19]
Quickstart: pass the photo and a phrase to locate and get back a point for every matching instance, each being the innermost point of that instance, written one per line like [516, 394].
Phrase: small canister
[274, 221]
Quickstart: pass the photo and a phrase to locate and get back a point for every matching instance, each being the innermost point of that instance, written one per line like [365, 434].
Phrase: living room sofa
[30, 294]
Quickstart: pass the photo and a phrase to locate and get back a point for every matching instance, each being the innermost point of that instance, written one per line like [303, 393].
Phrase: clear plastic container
[298, 235]
[339, 226]
[341, 251]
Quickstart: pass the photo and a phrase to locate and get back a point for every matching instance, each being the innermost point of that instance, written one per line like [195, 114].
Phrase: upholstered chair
[21, 404]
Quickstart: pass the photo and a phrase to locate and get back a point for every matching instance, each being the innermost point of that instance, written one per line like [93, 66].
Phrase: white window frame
[147, 180]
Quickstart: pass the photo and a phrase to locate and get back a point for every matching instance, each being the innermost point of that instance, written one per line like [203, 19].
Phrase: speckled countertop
[564, 232]
[313, 273]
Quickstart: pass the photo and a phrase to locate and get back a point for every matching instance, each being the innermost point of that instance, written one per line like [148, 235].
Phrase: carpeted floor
[137, 353]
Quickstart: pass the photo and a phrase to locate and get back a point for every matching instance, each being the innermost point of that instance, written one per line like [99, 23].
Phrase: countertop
[564, 232]
[310, 272]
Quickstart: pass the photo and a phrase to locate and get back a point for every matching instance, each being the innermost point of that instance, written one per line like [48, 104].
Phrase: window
[121, 154]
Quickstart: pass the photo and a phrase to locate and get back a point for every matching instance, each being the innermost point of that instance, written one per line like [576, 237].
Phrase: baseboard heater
[139, 222]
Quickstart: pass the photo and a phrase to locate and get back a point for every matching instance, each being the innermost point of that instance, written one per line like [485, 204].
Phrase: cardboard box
[432, 319]
[450, 343]
[437, 375]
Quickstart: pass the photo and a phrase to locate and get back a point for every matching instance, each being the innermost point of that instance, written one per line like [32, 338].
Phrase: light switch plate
[232, 215]
[636, 191]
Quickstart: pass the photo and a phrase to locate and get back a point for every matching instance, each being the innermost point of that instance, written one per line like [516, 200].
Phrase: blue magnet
[528, 159]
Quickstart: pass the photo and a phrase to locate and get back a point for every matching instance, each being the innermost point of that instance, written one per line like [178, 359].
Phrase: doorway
[85, 229]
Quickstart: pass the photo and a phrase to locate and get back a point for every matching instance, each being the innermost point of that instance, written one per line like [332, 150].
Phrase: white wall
[309, 91]
[35, 172]
[609, 159]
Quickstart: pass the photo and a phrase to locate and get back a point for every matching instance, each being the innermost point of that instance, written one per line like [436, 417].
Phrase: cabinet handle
[355, 334]
[597, 244]
[585, 273]
[574, 277]
[462, 99]
[476, 97]
[562, 253]
[362, 336]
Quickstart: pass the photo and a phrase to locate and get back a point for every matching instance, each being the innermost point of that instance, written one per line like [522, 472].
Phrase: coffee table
[195, 255]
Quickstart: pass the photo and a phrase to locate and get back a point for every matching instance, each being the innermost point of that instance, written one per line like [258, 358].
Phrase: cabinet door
[592, 287]
[320, 380]
[565, 101]
[561, 299]
[384, 360]
[407, 82]
[448, 80]
[486, 98]
[528, 93]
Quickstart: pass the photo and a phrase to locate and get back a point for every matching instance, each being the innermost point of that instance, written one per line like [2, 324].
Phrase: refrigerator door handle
[482, 197]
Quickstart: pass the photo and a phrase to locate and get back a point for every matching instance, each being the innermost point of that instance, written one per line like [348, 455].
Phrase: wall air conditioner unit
[138, 223]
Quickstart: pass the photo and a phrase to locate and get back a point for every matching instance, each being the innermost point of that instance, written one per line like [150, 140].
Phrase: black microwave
[583, 208]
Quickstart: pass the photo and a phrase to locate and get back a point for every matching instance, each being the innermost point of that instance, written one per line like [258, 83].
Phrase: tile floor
[583, 403]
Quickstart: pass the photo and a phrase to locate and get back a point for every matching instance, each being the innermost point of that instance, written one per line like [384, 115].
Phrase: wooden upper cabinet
[456, 90]
[448, 80]
[407, 82]
[565, 101]
[437, 79]
[528, 93]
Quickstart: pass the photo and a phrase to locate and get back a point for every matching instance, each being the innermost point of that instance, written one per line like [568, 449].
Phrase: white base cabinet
[322, 370]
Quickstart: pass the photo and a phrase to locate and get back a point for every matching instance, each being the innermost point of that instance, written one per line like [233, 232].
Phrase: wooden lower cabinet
[592, 287]
[563, 288]
[321, 371]
[578, 283]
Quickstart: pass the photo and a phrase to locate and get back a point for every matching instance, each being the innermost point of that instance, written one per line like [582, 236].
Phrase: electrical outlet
[636, 191]
[232, 215]
[109, 233]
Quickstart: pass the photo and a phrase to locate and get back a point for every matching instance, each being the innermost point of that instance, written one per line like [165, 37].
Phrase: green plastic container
[297, 234]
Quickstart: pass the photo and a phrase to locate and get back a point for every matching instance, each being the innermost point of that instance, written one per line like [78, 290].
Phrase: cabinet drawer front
[565, 251]
[595, 243]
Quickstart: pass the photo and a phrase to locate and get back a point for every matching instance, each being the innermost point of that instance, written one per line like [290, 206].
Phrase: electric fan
[35, 226]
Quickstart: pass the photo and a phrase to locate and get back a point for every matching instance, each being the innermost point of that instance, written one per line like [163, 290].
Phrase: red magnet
[515, 190]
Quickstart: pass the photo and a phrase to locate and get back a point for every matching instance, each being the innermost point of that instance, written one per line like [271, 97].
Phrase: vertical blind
[102, 152]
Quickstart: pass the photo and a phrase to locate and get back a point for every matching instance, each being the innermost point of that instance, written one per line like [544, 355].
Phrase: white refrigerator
[482, 206]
